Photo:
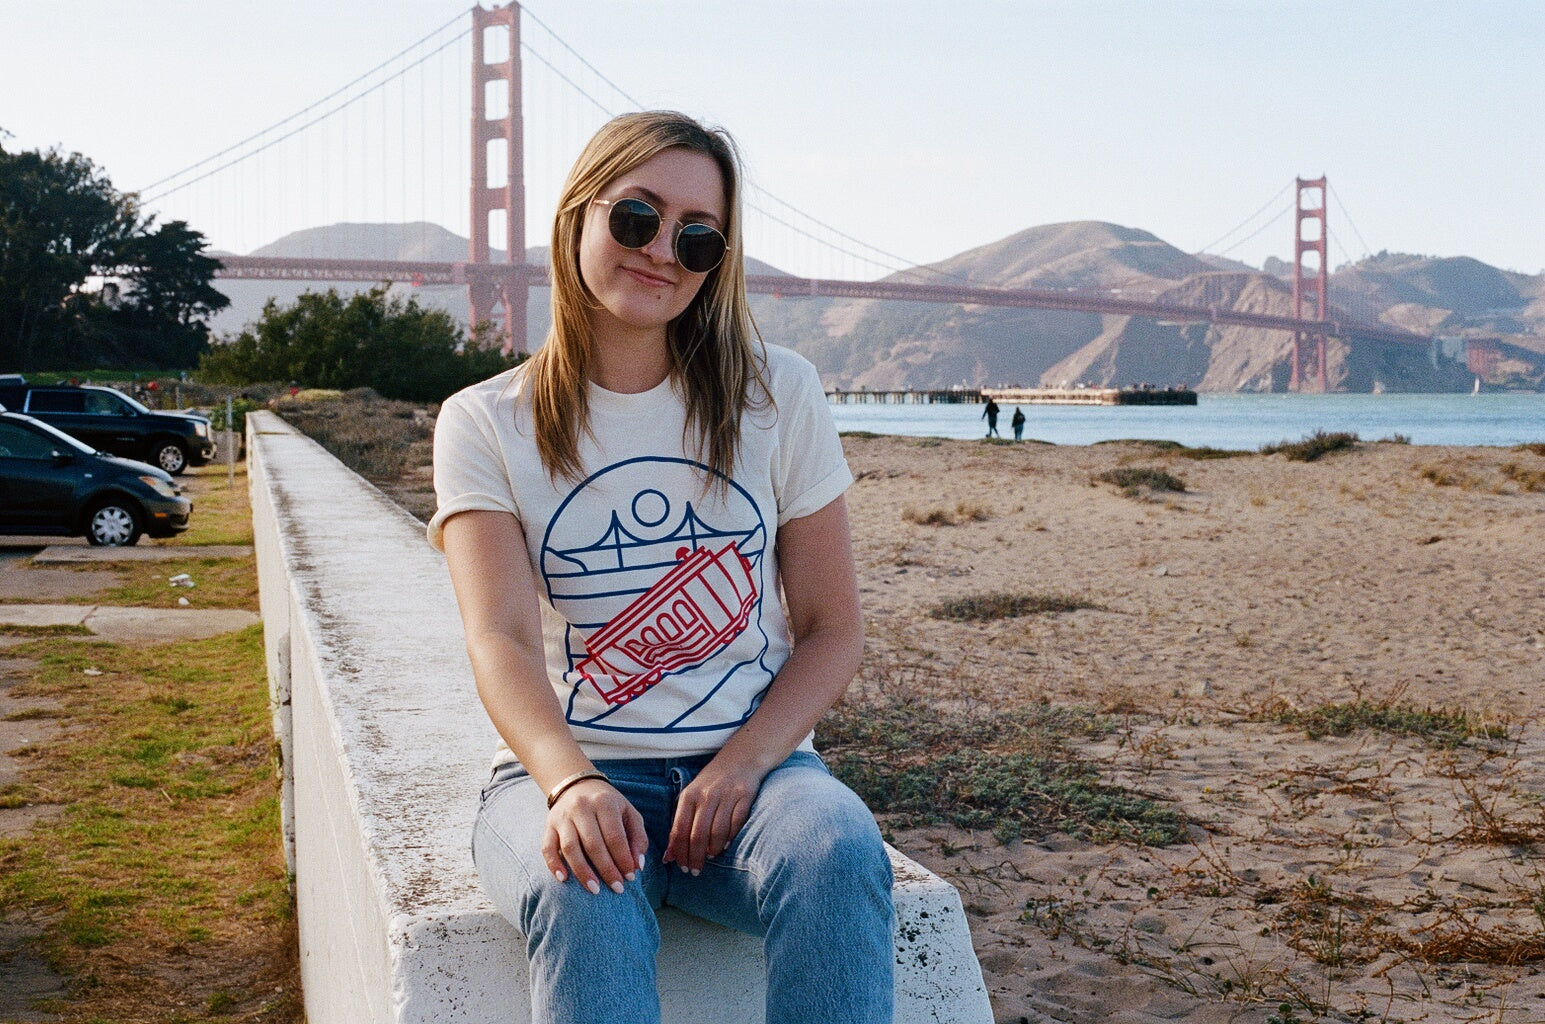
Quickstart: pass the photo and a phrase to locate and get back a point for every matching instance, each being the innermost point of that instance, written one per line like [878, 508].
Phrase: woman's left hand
[710, 812]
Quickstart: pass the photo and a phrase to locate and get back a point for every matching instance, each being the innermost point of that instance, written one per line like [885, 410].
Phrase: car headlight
[160, 486]
[201, 428]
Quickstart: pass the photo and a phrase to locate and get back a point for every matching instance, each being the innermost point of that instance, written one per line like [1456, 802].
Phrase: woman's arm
[815, 557]
[592, 831]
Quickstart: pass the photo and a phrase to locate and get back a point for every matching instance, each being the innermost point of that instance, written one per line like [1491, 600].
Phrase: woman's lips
[646, 278]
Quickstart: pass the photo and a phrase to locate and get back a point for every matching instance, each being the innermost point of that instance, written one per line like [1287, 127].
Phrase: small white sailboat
[1477, 389]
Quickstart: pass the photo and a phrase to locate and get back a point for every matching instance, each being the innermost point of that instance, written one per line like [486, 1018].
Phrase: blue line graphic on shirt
[670, 584]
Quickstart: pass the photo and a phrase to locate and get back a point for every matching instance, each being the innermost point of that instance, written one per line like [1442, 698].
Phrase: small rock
[93, 671]
[1162, 570]
[183, 602]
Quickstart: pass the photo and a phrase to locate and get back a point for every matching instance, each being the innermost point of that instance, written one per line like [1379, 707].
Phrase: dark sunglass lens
[633, 223]
[699, 248]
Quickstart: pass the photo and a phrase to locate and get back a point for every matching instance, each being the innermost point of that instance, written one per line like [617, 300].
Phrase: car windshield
[136, 405]
[62, 438]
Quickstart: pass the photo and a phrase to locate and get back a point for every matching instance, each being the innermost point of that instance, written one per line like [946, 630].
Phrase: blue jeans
[808, 873]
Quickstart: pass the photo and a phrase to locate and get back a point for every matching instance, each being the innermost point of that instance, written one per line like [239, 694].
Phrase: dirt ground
[1367, 876]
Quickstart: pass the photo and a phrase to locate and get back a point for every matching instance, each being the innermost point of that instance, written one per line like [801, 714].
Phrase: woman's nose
[661, 248]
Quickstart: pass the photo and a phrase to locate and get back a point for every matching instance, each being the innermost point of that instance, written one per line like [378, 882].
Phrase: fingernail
[630, 876]
[594, 887]
[559, 875]
[683, 867]
[696, 872]
[617, 888]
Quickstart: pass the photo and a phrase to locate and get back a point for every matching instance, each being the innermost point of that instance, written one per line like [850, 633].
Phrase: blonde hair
[710, 343]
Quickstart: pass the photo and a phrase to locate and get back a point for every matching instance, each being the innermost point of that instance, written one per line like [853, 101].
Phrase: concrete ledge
[385, 748]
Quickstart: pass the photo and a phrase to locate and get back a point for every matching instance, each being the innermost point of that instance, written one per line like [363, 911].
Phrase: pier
[911, 396]
[1015, 396]
[1091, 396]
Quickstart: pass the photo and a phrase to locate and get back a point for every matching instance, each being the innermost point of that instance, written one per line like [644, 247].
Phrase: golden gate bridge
[498, 290]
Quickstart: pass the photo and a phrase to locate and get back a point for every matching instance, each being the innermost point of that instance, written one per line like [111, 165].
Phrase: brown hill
[885, 345]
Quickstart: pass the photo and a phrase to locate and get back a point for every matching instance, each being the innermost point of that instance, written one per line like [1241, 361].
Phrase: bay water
[1238, 422]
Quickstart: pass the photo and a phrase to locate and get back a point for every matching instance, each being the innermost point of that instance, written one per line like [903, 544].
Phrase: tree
[62, 225]
[372, 339]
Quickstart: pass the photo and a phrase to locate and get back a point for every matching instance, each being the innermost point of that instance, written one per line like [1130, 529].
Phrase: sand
[1368, 876]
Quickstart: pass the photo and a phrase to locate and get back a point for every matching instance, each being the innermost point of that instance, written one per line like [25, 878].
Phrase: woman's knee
[825, 835]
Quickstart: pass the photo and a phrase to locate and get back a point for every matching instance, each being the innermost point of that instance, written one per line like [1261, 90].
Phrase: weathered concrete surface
[385, 748]
[131, 625]
[78, 553]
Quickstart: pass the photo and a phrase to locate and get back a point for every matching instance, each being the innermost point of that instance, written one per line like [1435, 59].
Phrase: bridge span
[534, 276]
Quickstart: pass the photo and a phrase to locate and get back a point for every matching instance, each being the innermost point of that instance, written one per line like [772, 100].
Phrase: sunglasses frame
[675, 237]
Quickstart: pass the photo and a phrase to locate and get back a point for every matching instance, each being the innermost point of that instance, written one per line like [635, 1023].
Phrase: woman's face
[645, 289]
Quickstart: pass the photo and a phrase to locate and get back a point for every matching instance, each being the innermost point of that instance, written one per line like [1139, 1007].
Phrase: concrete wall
[385, 748]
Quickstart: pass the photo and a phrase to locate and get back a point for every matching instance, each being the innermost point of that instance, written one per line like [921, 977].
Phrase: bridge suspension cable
[1367, 251]
[1209, 248]
[302, 112]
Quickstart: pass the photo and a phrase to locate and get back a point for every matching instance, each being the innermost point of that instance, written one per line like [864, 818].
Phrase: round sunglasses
[634, 224]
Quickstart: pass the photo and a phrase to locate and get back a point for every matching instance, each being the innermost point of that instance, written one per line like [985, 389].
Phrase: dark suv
[113, 422]
[50, 483]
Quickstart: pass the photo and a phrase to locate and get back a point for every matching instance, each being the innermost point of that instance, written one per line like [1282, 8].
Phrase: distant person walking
[1018, 423]
[991, 413]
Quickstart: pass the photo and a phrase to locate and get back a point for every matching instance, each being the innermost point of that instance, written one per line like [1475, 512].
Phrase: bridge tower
[1310, 283]
[499, 296]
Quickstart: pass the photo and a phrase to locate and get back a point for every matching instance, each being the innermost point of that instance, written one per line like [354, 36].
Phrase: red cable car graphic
[691, 614]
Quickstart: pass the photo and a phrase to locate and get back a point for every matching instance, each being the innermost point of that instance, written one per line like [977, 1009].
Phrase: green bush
[375, 339]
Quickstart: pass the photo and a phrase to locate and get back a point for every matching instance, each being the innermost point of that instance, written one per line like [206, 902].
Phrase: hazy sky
[921, 128]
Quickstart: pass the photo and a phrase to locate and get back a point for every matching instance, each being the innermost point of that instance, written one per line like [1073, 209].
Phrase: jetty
[911, 396]
[1091, 396]
[1015, 396]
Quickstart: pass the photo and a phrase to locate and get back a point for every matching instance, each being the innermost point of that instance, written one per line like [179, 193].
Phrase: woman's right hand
[594, 835]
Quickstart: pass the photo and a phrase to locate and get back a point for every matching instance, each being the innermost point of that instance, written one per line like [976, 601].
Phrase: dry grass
[961, 512]
[1312, 447]
[1135, 480]
[990, 607]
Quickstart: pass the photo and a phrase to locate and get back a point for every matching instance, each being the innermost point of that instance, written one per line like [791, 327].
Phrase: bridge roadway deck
[426, 273]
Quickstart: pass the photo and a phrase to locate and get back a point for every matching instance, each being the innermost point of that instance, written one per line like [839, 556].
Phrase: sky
[921, 129]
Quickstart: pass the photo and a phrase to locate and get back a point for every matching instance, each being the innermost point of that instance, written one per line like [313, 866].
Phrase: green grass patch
[63, 629]
[1440, 727]
[1010, 772]
[1133, 480]
[170, 816]
[222, 508]
[162, 878]
[862, 435]
[1312, 446]
[994, 606]
[217, 583]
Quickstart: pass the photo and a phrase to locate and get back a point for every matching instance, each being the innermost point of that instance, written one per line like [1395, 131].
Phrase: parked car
[51, 483]
[111, 421]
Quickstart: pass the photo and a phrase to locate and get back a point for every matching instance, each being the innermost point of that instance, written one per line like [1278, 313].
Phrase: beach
[1282, 653]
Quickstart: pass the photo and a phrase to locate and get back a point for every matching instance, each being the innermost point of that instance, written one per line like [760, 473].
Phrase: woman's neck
[629, 362]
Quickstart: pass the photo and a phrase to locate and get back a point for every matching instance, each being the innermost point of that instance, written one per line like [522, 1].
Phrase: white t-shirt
[661, 612]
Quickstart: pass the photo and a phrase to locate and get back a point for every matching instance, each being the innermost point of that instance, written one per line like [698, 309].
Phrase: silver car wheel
[112, 525]
[170, 457]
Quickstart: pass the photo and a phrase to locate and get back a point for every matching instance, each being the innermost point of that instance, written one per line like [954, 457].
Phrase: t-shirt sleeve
[813, 472]
[469, 467]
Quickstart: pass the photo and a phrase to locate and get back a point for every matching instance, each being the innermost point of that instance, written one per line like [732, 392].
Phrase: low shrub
[991, 607]
[1133, 480]
[1313, 446]
[1012, 772]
